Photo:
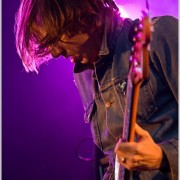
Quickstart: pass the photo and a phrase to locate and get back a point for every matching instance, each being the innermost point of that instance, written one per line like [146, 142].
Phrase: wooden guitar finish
[138, 73]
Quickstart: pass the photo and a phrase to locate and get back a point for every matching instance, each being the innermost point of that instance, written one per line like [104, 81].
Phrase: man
[99, 42]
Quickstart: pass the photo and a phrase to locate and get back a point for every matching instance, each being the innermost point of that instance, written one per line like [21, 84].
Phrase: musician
[98, 41]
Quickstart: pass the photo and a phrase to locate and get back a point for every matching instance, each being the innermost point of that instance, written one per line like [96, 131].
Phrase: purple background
[42, 115]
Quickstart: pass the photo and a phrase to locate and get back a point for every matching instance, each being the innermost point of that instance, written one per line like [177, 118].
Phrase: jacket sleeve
[164, 55]
[164, 50]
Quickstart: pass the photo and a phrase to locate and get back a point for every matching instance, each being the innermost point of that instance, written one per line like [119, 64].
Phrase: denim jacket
[103, 91]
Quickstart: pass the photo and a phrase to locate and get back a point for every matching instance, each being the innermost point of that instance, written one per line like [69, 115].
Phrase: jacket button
[108, 104]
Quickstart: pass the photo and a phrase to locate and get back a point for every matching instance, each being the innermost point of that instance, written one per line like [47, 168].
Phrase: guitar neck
[139, 71]
[131, 108]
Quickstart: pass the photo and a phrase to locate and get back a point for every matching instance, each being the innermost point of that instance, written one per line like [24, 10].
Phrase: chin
[84, 61]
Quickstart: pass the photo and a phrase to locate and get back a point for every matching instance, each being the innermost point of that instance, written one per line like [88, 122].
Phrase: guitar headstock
[139, 55]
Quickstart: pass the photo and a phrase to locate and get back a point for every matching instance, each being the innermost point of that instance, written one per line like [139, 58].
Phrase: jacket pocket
[146, 103]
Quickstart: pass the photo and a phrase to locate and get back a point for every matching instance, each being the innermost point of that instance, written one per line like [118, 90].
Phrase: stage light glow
[130, 10]
[122, 11]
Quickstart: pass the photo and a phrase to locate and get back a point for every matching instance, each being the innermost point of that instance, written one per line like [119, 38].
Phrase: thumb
[141, 133]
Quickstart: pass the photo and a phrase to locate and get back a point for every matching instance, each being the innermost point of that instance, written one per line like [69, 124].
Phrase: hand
[142, 155]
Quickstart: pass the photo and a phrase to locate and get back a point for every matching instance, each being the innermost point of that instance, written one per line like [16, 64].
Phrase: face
[83, 48]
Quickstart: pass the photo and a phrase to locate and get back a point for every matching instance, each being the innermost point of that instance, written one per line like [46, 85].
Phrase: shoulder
[165, 25]
[165, 29]
[164, 20]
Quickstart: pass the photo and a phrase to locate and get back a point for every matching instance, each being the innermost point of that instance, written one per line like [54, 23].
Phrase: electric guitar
[138, 73]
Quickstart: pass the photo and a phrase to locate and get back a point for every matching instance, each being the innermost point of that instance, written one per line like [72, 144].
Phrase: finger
[126, 148]
[132, 164]
[117, 147]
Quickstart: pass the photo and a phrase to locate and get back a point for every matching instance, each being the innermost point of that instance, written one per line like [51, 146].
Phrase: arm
[164, 55]
[164, 51]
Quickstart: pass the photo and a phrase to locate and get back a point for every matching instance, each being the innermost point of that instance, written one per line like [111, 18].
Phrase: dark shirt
[103, 91]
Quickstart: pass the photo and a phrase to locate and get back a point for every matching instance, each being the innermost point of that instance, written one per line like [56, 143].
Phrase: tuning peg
[140, 26]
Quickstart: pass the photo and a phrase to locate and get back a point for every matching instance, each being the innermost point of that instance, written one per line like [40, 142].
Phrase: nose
[55, 51]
